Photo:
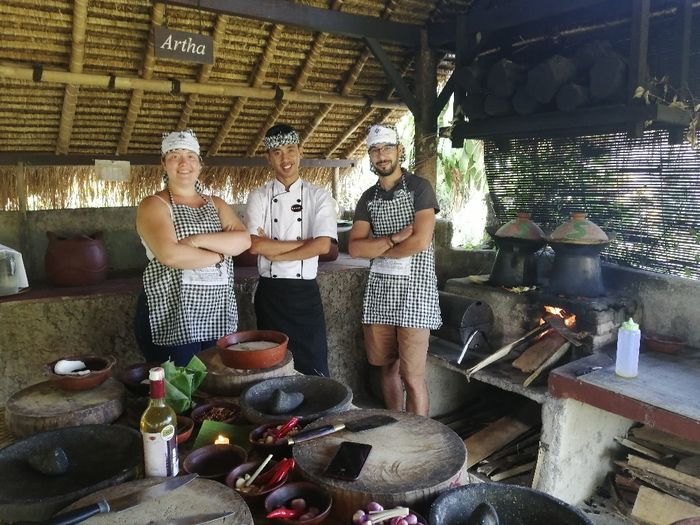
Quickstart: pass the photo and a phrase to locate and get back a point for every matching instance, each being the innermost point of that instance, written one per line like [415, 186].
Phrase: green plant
[181, 382]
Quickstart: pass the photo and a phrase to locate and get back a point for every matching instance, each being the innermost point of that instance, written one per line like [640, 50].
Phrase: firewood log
[471, 78]
[607, 78]
[545, 79]
[538, 353]
[497, 106]
[585, 56]
[524, 104]
[504, 77]
[571, 96]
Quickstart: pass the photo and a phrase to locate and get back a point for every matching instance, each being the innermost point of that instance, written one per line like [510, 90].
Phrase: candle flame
[221, 440]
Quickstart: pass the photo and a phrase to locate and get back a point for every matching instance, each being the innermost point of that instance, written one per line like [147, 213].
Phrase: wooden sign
[183, 46]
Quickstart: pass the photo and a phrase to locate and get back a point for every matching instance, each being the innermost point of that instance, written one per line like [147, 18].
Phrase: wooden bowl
[253, 499]
[135, 378]
[100, 369]
[235, 353]
[214, 461]
[203, 412]
[322, 396]
[662, 343]
[185, 426]
[279, 448]
[314, 495]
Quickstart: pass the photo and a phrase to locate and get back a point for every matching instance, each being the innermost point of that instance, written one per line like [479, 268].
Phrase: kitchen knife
[199, 519]
[365, 423]
[122, 502]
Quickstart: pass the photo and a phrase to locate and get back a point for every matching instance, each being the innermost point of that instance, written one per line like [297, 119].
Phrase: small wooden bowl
[253, 499]
[214, 461]
[199, 413]
[314, 495]
[100, 370]
[663, 343]
[279, 448]
[135, 378]
[250, 359]
[185, 426]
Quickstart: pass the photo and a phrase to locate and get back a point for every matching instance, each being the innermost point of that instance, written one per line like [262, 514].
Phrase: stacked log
[593, 75]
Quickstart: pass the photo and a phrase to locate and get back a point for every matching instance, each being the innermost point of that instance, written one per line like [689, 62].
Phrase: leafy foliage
[181, 382]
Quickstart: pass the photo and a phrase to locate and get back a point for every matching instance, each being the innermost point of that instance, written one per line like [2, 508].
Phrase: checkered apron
[187, 313]
[401, 300]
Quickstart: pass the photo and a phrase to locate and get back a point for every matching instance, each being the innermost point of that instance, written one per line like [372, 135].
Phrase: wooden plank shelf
[500, 374]
[603, 119]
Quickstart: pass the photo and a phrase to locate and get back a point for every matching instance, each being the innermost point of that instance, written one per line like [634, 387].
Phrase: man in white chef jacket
[291, 223]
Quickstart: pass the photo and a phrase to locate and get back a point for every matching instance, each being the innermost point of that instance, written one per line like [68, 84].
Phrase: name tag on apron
[209, 276]
[385, 265]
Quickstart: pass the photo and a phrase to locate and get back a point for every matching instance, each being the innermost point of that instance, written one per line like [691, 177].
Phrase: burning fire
[569, 319]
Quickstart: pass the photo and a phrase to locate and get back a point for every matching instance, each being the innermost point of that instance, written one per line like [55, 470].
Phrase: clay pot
[214, 461]
[100, 370]
[577, 270]
[521, 228]
[76, 261]
[579, 230]
[236, 354]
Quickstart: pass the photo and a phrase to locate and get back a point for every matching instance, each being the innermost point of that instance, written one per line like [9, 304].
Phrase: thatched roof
[79, 77]
[103, 38]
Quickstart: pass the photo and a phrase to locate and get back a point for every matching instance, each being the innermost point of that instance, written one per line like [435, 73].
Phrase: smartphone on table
[348, 460]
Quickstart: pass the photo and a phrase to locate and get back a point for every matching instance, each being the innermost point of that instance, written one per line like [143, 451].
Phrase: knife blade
[365, 423]
[122, 502]
[199, 519]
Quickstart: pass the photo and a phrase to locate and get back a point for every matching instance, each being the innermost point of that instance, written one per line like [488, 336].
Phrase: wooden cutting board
[44, 406]
[224, 381]
[201, 499]
[410, 462]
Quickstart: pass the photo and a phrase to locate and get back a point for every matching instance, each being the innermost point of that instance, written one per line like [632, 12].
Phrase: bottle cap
[156, 374]
[630, 325]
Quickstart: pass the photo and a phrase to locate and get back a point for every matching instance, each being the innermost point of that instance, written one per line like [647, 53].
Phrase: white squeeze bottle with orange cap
[627, 358]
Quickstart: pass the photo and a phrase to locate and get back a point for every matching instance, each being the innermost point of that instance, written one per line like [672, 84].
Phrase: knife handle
[81, 514]
[305, 435]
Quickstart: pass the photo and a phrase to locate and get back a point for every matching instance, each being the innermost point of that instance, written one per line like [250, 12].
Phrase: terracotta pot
[76, 261]
[521, 228]
[236, 354]
[579, 230]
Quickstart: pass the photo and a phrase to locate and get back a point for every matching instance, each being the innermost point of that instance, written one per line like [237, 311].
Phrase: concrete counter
[46, 323]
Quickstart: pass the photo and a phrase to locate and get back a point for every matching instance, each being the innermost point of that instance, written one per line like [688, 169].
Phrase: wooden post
[21, 190]
[684, 18]
[426, 124]
[639, 47]
[334, 183]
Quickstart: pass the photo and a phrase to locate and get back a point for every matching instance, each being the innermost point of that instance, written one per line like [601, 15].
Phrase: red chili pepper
[286, 428]
[283, 512]
[276, 474]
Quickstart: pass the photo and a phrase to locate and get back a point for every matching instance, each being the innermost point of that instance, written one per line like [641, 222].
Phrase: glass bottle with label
[158, 429]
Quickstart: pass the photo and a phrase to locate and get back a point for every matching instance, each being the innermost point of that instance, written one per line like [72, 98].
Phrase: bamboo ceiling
[103, 38]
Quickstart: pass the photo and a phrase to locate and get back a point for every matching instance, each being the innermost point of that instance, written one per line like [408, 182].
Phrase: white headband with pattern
[281, 139]
[379, 134]
[185, 139]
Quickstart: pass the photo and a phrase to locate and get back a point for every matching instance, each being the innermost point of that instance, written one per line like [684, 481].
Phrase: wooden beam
[124, 83]
[70, 96]
[49, 159]
[394, 76]
[426, 139]
[311, 18]
[444, 97]
[503, 16]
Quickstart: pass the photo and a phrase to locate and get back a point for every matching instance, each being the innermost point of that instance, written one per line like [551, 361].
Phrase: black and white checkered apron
[188, 313]
[401, 300]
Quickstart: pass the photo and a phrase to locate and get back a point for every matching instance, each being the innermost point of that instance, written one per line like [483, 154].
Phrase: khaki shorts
[386, 343]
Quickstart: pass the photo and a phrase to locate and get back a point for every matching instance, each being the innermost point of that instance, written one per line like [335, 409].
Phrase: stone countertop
[664, 394]
[131, 283]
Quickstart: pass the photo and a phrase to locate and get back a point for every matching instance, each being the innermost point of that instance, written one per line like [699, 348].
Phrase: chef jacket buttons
[298, 200]
[298, 275]
[274, 200]
[274, 238]
[298, 237]
[275, 220]
[298, 219]
[274, 275]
